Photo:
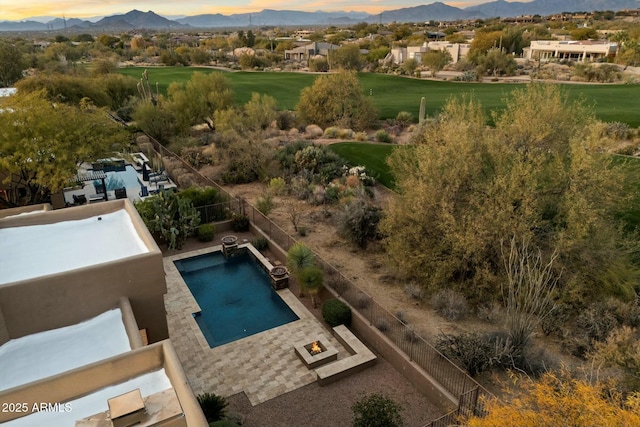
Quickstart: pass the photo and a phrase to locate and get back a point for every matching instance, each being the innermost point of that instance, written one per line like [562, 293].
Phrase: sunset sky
[13, 10]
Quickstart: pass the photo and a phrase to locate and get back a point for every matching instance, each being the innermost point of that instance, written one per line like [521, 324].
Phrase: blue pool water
[235, 297]
[127, 178]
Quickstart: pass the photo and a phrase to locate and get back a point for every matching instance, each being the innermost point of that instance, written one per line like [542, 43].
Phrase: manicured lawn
[373, 156]
[392, 94]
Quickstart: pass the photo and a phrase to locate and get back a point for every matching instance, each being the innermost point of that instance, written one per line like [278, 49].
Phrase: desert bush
[358, 221]
[202, 196]
[404, 118]
[361, 136]
[382, 325]
[450, 304]
[476, 352]
[617, 130]
[260, 243]
[335, 313]
[597, 321]
[265, 204]
[376, 410]
[345, 133]
[213, 406]
[363, 301]
[195, 157]
[338, 284]
[414, 290]
[206, 232]
[383, 136]
[410, 335]
[285, 120]
[300, 187]
[240, 222]
[556, 319]
[401, 315]
[331, 132]
[313, 131]
[277, 186]
[490, 311]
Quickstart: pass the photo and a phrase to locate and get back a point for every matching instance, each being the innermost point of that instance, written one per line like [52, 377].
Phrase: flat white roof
[37, 356]
[39, 250]
[93, 403]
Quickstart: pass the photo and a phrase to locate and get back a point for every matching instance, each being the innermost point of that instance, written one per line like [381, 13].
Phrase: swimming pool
[235, 297]
[118, 179]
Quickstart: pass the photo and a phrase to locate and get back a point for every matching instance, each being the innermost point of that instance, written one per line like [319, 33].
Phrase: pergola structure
[92, 176]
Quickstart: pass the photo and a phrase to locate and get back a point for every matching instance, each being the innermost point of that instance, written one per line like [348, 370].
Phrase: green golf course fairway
[392, 94]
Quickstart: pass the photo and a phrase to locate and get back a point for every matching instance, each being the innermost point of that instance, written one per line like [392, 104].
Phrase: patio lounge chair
[144, 191]
[79, 199]
[121, 193]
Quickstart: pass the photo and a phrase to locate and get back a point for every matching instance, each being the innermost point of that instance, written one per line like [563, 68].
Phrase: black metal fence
[457, 382]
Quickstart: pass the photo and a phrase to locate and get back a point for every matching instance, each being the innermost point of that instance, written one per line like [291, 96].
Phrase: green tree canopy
[195, 102]
[42, 143]
[11, 64]
[336, 100]
[346, 57]
[543, 173]
[436, 60]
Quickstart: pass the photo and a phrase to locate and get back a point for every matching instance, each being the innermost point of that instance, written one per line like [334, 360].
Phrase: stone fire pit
[279, 276]
[312, 359]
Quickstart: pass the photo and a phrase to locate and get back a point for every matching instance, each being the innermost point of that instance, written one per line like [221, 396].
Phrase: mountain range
[435, 11]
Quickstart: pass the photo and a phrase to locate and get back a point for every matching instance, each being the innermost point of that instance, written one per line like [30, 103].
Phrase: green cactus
[174, 218]
[423, 107]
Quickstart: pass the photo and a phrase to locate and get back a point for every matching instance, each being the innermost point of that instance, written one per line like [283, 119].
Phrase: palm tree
[298, 258]
[311, 279]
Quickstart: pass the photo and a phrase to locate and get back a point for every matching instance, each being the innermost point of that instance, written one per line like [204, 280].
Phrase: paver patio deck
[263, 365]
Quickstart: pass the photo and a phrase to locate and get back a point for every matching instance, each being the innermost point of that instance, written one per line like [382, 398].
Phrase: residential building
[584, 50]
[81, 297]
[308, 51]
[457, 51]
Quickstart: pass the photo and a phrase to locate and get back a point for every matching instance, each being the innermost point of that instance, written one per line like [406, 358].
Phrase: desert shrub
[404, 118]
[285, 120]
[476, 352]
[376, 410]
[553, 322]
[260, 243]
[300, 187]
[490, 311]
[213, 406]
[383, 136]
[361, 136]
[345, 133]
[363, 301]
[358, 221]
[402, 316]
[597, 321]
[414, 290]
[240, 222]
[265, 204]
[206, 232]
[202, 196]
[318, 195]
[277, 186]
[617, 130]
[450, 304]
[195, 156]
[382, 325]
[313, 131]
[338, 284]
[410, 335]
[331, 132]
[302, 231]
[335, 313]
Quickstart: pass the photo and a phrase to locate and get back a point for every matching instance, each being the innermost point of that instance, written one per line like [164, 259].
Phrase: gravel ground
[330, 405]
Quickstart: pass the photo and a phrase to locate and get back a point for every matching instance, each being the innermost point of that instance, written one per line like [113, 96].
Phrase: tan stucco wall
[78, 382]
[63, 299]
[24, 209]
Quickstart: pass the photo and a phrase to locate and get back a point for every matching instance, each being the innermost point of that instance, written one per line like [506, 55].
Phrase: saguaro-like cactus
[423, 107]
